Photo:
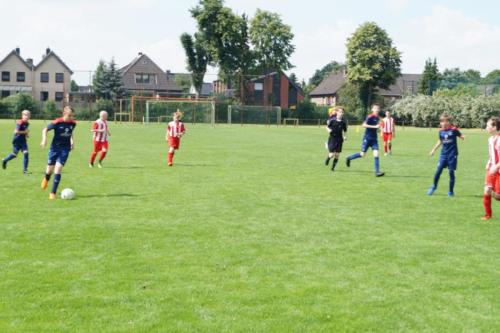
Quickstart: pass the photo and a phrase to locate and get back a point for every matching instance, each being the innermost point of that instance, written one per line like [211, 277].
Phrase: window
[21, 76]
[44, 77]
[59, 77]
[59, 96]
[141, 78]
[5, 93]
[5, 76]
[44, 96]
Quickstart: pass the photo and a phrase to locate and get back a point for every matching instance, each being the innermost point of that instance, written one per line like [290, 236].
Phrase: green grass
[249, 232]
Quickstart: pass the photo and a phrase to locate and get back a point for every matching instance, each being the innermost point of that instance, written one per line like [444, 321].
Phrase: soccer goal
[258, 115]
[195, 111]
[291, 121]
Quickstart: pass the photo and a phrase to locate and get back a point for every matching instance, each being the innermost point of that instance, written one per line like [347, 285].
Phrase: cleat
[386, 154]
[26, 172]
[327, 161]
[348, 163]
[91, 165]
[52, 196]
[170, 164]
[431, 190]
[99, 165]
[486, 218]
[4, 164]
[44, 184]
[451, 194]
[380, 174]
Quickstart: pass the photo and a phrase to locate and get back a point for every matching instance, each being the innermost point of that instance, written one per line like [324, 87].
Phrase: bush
[50, 111]
[467, 111]
[15, 104]
[106, 105]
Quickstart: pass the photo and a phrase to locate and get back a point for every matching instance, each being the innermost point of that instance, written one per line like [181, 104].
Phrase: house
[188, 89]
[273, 89]
[327, 92]
[142, 77]
[50, 80]
[207, 90]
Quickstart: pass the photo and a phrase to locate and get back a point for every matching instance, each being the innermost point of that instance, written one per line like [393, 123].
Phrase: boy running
[372, 124]
[101, 134]
[492, 182]
[388, 132]
[337, 128]
[20, 142]
[175, 130]
[448, 135]
[61, 146]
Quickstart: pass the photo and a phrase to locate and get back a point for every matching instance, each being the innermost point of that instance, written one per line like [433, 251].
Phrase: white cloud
[396, 6]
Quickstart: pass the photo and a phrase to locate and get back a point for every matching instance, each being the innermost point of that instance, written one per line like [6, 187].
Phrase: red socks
[92, 157]
[103, 155]
[385, 148]
[170, 158]
[487, 205]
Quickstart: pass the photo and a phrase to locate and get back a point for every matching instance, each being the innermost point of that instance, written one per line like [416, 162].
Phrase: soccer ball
[67, 194]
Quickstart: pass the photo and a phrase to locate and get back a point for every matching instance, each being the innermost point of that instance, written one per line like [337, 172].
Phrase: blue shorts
[369, 143]
[58, 155]
[449, 162]
[19, 146]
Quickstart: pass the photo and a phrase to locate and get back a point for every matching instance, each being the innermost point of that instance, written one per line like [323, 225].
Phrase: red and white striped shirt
[175, 128]
[100, 125]
[494, 150]
[388, 125]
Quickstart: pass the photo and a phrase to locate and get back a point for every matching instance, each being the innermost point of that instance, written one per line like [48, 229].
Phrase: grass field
[249, 232]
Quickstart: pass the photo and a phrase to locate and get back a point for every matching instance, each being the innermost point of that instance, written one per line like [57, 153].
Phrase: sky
[458, 33]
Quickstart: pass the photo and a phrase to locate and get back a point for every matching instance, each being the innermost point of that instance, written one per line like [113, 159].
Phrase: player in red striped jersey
[492, 182]
[388, 132]
[175, 131]
[100, 136]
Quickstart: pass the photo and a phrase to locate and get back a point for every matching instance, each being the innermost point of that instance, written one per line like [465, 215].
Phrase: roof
[53, 54]
[296, 86]
[330, 85]
[207, 89]
[16, 54]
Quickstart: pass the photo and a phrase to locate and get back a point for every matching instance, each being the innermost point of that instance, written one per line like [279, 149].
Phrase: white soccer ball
[67, 194]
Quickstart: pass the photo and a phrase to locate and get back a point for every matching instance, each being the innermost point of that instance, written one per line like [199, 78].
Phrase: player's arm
[433, 151]
[460, 135]
[72, 140]
[95, 129]
[44, 137]
[365, 125]
[345, 131]
[183, 131]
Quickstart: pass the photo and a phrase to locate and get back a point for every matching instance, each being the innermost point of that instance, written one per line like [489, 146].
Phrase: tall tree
[99, 82]
[430, 78]
[293, 79]
[272, 41]
[74, 86]
[492, 77]
[321, 74]
[115, 80]
[372, 61]
[197, 59]
[452, 77]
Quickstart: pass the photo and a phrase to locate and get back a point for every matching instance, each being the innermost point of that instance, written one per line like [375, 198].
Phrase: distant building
[142, 77]
[274, 89]
[327, 92]
[207, 90]
[50, 80]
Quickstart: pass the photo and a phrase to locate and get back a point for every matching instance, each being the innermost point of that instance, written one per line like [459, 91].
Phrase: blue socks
[10, 157]
[377, 165]
[26, 161]
[452, 181]
[353, 157]
[437, 176]
[55, 184]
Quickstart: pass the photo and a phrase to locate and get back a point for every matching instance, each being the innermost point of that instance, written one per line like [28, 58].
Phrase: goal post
[256, 115]
[195, 111]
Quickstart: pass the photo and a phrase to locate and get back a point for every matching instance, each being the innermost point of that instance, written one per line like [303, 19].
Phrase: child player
[448, 135]
[337, 128]
[371, 124]
[492, 182]
[175, 130]
[388, 132]
[20, 142]
[101, 134]
[62, 144]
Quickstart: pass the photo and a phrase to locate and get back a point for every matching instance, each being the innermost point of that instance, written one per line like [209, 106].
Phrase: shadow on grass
[111, 195]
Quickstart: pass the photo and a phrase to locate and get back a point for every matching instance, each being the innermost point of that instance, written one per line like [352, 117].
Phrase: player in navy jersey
[448, 135]
[370, 140]
[337, 128]
[62, 143]
[20, 141]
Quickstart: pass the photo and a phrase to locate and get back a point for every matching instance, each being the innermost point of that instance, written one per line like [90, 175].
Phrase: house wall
[283, 92]
[51, 66]
[324, 100]
[13, 65]
[145, 66]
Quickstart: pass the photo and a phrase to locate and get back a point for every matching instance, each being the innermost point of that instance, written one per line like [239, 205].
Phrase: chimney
[29, 61]
[140, 54]
[18, 51]
[47, 51]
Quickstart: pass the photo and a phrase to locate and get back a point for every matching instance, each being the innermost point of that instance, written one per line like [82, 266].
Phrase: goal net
[194, 111]
[260, 115]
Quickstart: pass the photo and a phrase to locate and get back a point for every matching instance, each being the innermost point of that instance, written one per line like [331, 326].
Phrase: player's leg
[171, 152]
[386, 148]
[26, 160]
[94, 153]
[376, 161]
[389, 144]
[488, 191]
[104, 151]
[451, 191]
[11, 156]
[437, 175]
[330, 147]
[57, 179]
[335, 157]
[364, 149]
[48, 173]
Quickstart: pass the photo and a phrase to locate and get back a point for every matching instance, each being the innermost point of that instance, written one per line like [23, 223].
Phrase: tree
[453, 77]
[293, 79]
[473, 76]
[272, 42]
[74, 86]
[430, 78]
[492, 77]
[349, 98]
[372, 61]
[114, 81]
[99, 82]
[197, 59]
[184, 82]
[326, 70]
